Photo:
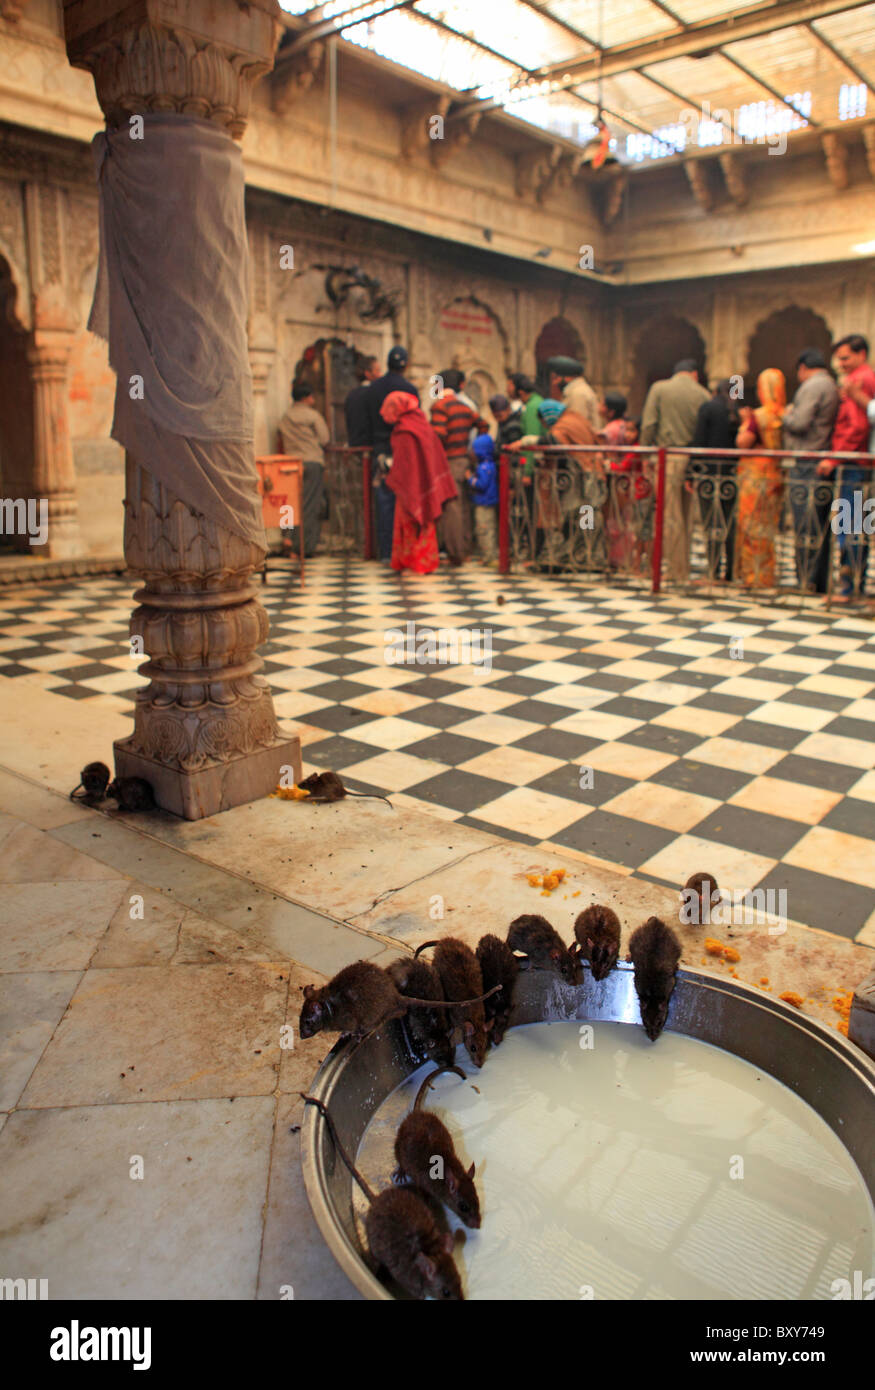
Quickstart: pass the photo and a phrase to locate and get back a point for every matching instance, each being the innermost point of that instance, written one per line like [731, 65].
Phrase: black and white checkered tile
[658, 735]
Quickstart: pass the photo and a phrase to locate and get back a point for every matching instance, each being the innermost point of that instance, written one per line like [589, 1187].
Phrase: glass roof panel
[611, 22]
[407, 38]
[513, 29]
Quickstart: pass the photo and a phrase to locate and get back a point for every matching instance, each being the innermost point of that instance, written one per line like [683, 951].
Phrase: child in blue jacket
[483, 482]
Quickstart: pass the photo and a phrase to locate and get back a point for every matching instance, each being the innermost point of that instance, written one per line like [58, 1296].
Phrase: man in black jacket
[714, 479]
[356, 407]
[380, 436]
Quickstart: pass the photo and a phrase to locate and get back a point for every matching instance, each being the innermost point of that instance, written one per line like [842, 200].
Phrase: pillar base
[195, 795]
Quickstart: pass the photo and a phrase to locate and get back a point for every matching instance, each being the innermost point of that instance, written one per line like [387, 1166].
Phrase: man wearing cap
[391, 381]
[568, 384]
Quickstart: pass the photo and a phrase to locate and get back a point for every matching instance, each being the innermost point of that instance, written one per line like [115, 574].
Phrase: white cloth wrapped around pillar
[172, 214]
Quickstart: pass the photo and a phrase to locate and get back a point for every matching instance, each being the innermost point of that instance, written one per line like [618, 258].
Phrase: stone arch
[778, 339]
[558, 337]
[470, 336]
[16, 398]
[664, 339]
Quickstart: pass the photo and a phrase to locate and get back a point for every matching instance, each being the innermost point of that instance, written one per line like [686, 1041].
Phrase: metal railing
[349, 527]
[761, 520]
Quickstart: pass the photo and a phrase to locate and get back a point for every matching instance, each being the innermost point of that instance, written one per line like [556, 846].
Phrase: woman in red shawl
[421, 480]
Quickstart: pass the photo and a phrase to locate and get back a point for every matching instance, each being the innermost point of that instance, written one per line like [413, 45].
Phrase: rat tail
[323, 1111]
[371, 796]
[450, 1003]
[423, 947]
[430, 1078]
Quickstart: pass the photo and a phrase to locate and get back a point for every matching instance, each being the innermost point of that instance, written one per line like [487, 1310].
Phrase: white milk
[606, 1172]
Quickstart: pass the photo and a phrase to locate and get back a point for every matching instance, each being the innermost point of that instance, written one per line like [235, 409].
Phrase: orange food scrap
[534, 880]
[576, 894]
[764, 979]
[791, 997]
[291, 794]
[716, 948]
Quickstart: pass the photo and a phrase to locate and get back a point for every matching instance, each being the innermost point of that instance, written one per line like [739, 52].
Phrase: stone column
[54, 476]
[261, 362]
[205, 732]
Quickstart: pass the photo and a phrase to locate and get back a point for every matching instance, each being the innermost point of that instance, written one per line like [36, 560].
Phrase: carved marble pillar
[205, 732]
[54, 477]
[261, 362]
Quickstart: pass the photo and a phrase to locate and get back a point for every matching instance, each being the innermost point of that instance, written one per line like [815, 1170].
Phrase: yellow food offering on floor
[291, 794]
[791, 997]
[716, 948]
[534, 880]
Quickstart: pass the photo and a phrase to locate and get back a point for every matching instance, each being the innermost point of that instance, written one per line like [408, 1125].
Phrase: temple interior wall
[476, 250]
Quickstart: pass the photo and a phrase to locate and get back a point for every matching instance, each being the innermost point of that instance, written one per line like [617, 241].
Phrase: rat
[403, 1235]
[359, 999]
[327, 786]
[699, 894]
[498, 966]
[132, 794]
[421, 1139]
[598, 939]
[461, 977]
[431, 1032]
[654, 951]
[94, 780]
[533, 936]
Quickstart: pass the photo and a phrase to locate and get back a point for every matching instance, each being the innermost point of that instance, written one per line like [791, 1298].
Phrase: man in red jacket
[851, 435]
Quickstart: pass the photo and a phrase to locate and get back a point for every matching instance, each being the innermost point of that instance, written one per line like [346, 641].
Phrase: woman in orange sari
[760, 484]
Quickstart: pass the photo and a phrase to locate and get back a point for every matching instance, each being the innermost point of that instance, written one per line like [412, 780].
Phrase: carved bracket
[836, 152]
[869, 142]
[456, 137]
[419, 131]
[734, 175]
[537, 174]
[696, 171]
[294, 77]
[613, 198]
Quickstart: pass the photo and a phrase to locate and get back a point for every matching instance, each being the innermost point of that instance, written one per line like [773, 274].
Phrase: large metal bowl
[822, 1067]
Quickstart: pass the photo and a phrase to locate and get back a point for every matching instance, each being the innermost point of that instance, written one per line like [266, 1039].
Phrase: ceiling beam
[696, 40]
[842, 58]
[767, 87]
[325, 28]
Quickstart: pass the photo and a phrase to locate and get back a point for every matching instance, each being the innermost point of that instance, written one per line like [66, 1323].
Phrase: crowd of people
[435, 478]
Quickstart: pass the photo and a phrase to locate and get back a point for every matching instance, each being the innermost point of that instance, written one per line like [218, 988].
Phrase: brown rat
[461, 977]
[598, 938]
[403, 1235]
[498, 966]
[700, 893]
[327, 786]
[421, 1140]
[360, 998]
[132, 794]
[430, 1030]
[532, 935]
[93, 780]
[654, 951]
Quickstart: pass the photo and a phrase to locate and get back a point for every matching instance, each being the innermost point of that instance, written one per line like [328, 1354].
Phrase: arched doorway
[557, 338]
[16, 405]
[331, 366]
[778, 340]
[663, 342]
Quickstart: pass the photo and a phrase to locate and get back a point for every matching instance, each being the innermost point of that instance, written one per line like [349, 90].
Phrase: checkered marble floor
[757, 767]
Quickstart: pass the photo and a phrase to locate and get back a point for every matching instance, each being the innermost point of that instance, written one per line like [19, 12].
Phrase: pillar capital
[187, 56]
